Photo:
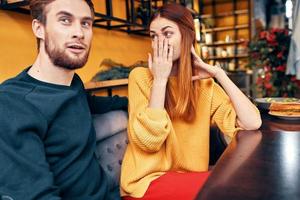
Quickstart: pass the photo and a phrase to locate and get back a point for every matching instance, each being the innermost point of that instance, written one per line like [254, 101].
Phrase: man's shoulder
[15, 87]
[14, 105]
[14, 94]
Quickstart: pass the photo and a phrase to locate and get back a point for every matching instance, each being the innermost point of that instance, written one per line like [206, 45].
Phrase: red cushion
[175, 185]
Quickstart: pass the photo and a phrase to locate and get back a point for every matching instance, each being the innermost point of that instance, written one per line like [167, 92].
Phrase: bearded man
[47, 138]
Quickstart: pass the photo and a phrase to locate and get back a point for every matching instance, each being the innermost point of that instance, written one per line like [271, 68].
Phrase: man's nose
[78, 31]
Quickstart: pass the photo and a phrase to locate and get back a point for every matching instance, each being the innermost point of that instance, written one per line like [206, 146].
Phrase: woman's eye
[152, 37]
[168, 34]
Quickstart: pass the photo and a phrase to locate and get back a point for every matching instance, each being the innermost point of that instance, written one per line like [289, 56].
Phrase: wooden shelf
[208, 3]
[228, 28]
[235, 72]
[227, 57]
[224, 43]
[105, 84]
[225, 14]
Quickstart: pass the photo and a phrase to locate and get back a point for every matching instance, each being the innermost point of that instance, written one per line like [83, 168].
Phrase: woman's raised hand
[203, 70]
[161, 63]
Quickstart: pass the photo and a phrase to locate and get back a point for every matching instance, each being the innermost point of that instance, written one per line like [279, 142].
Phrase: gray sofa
[111, 134]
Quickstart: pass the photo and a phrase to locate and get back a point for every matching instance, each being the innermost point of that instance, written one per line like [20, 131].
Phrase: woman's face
[163, 28]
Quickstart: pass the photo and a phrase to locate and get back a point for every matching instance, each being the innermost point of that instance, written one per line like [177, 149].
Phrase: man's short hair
[37, 10]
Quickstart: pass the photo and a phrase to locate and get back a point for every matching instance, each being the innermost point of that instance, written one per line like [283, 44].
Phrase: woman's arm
[148, 127]
[149, 124]
[248, 117]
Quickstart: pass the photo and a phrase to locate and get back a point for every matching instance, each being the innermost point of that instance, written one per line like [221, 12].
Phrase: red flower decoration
[268, 85]
[268, 77]
[280, 54]
[263, 34]
[280, 68]
[271, 37]
[269, 54]
[293, 79]
[259, 80]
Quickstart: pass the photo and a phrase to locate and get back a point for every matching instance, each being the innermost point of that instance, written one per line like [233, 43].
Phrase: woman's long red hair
[185, 104]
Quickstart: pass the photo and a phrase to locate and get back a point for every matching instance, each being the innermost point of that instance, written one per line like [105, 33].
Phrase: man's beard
[60, 58]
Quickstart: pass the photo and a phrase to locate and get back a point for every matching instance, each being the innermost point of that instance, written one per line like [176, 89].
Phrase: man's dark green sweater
[47, 140]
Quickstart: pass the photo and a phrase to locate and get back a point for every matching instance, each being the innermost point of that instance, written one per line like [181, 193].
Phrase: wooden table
[258, 165]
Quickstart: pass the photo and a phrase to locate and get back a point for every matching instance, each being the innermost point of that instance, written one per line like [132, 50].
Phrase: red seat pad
[175, 185]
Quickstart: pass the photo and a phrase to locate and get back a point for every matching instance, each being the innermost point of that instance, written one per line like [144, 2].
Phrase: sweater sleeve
[99, 105]
[24, 171]
[148, 127]
[222, 112]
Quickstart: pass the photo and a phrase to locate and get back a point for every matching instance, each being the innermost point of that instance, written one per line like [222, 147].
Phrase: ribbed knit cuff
[156, 113]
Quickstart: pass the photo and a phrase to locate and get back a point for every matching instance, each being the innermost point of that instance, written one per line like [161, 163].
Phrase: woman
[171, 107]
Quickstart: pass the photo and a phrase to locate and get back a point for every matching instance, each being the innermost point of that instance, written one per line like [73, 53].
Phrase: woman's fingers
[150, 61]
[196, 78]
[160, 64]
[170, 53]
[160, 47]
[201, 75]
[166, 48]
[155, 49]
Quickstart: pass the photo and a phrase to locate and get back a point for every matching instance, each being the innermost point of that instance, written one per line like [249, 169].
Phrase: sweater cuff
[156, 113]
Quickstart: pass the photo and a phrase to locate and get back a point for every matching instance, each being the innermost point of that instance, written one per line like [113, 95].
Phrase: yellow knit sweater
[157, 144]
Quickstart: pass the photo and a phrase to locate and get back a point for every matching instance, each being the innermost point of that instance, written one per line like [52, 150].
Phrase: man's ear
[38, 29]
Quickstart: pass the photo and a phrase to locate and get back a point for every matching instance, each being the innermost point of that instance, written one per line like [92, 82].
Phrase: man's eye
[65, 20]
[86, 24]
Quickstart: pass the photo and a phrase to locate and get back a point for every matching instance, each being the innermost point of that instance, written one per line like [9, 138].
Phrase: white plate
[264, 103]
[285, 117]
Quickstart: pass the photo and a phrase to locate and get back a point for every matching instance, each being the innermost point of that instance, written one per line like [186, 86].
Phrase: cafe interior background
[256, 41]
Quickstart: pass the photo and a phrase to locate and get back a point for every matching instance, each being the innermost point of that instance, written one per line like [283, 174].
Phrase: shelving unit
[225, 14]
[236, 17]
[228, 28]
[227, 57]
[105, 20]
[227, 37]
[131, 24]
[222, 43]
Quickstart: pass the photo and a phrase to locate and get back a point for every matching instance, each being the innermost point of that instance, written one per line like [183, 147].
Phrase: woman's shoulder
[206, 84]
[140, 74]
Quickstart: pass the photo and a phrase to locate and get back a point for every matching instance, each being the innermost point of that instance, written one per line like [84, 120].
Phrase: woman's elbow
[254, 125]
[251, 125]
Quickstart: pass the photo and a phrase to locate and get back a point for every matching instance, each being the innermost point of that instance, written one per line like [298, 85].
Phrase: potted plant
[268, 58]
